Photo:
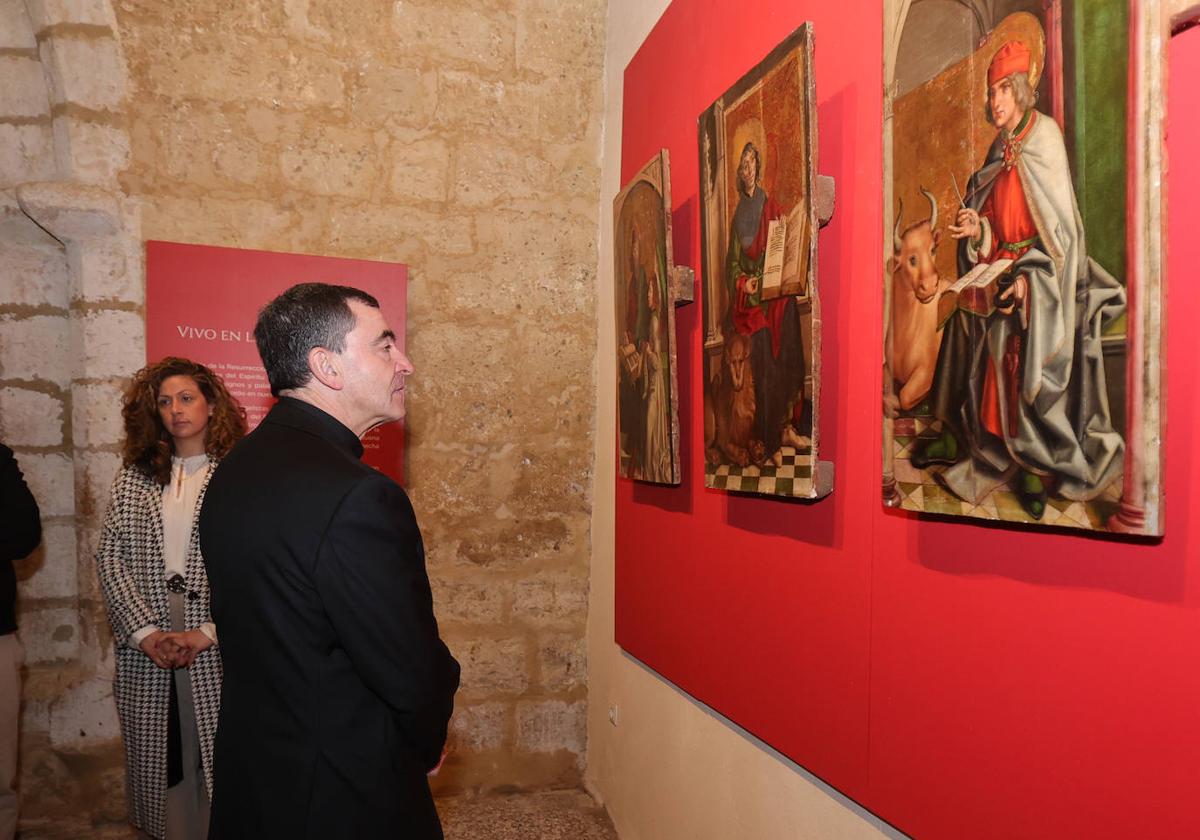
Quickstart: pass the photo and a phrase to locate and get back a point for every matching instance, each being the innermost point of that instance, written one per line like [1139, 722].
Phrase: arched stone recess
[71, 311]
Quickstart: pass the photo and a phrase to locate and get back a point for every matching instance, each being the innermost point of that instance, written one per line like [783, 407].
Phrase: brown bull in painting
[916, 287]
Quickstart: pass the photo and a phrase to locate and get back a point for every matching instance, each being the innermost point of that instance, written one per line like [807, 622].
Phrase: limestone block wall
[70, 329]
[460, 137]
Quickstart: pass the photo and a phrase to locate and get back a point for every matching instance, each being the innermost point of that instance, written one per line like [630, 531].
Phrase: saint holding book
[773, 326]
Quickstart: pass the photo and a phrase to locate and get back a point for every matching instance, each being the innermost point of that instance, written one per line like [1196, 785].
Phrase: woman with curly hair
[179, 421]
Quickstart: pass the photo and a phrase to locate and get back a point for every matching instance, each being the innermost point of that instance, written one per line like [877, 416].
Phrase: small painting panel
[647, 390]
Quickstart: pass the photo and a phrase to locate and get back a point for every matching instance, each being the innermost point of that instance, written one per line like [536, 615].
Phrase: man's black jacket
[337, 689]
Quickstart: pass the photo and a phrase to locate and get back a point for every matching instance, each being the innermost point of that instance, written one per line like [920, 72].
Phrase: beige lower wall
[671, 768]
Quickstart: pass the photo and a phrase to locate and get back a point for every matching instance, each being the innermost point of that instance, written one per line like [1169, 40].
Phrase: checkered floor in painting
[792, 478]
[920, 490]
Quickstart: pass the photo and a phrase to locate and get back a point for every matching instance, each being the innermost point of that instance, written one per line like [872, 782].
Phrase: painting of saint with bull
[1005, 392]
[761, 311]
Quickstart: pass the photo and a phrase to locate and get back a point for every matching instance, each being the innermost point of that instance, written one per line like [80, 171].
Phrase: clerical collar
[304, 415]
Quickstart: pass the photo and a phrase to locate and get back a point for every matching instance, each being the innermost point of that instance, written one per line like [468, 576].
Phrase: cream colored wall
[672, 768]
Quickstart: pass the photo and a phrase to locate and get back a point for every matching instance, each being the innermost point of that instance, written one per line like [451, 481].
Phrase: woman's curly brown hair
[148, 444]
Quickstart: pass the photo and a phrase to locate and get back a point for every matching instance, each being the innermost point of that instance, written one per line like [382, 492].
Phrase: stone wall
[461, 138]
[70, 330]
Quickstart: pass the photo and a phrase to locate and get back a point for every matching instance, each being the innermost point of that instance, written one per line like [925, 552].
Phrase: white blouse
[178, 513]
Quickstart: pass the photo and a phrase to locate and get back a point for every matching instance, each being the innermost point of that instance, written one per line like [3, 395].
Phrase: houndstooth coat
[130, 565]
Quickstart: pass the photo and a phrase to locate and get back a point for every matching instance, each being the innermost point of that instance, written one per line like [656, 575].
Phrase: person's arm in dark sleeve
[20, 523]
[371, 576]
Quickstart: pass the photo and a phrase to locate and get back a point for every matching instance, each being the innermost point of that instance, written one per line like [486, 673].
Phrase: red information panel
[202, 302]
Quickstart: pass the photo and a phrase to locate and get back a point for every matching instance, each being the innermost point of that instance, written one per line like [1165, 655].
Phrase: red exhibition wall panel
[202, 302]
[760, 606]
[959, 680]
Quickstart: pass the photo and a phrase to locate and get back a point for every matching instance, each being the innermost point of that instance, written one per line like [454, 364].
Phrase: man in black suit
[337, 690]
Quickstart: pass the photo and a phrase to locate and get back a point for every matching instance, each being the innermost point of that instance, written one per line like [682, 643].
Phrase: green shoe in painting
[1033, 495]
[942, 450]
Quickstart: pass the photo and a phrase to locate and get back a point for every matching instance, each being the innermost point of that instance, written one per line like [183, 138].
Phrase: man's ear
[323, 364]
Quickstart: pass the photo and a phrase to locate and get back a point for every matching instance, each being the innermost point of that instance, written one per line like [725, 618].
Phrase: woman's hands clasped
[175, 650]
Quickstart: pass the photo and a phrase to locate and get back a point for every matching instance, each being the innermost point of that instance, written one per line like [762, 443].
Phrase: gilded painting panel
[761, 310]
[1022, 145]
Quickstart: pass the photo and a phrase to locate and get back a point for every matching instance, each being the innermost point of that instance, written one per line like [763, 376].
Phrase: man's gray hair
[1023, 94]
